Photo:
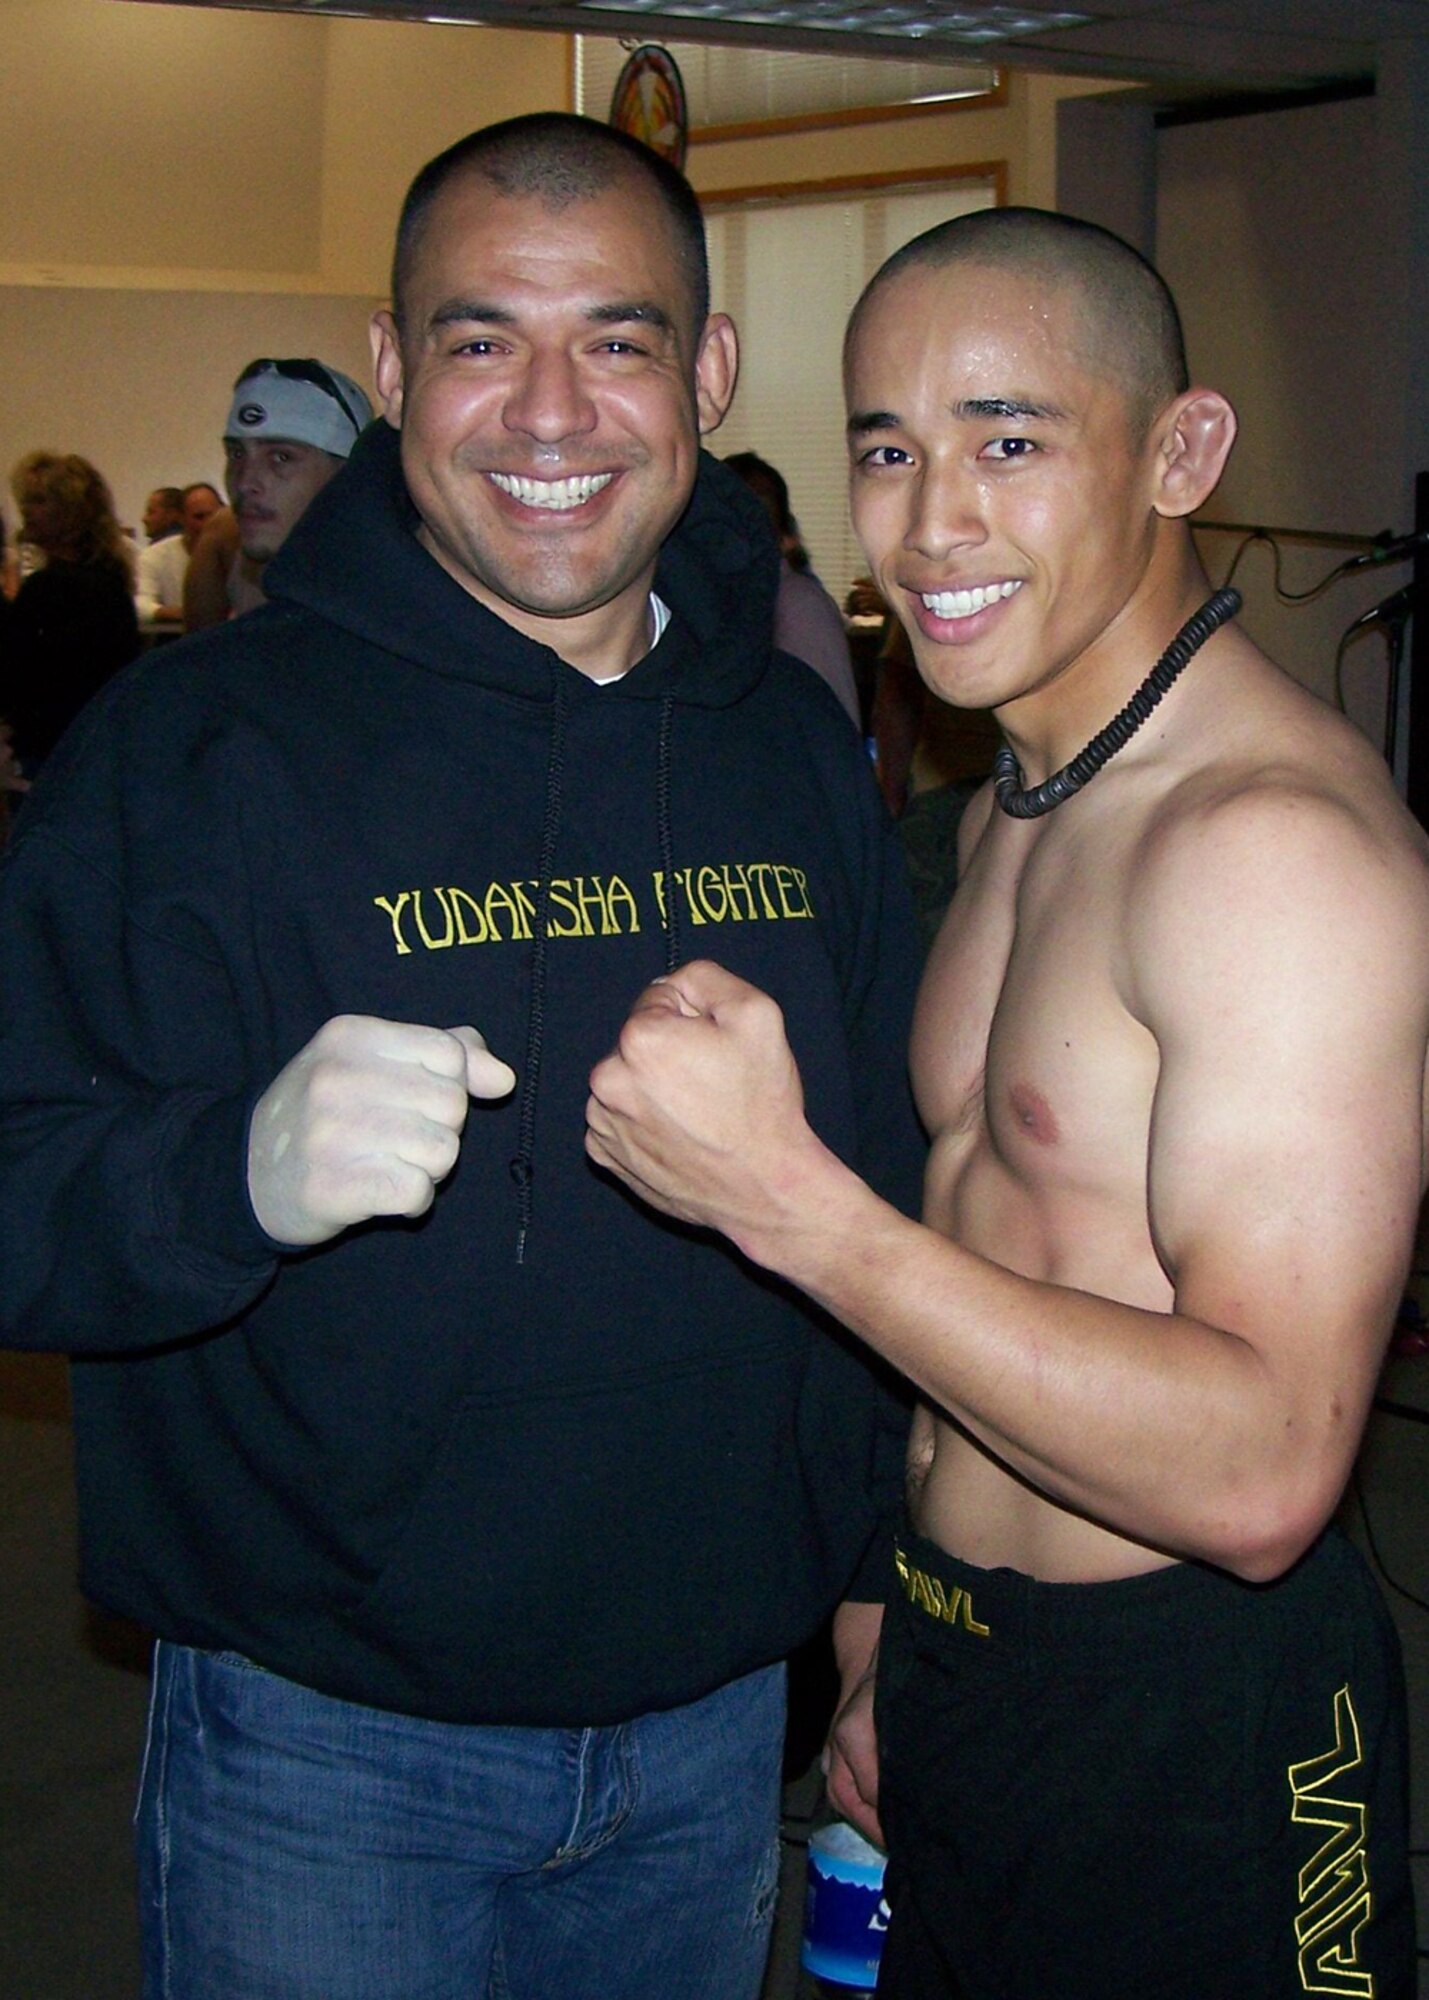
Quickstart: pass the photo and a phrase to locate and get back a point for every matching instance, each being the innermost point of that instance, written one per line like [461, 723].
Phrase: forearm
[124, 1226]
[1170, 1431]
[856, 1633]
[123, 1118]
[850, 1757]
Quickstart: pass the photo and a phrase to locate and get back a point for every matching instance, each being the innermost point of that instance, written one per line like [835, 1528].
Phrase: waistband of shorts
[1180, 1601]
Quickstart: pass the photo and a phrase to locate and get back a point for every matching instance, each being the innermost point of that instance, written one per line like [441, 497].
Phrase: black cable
[1255, 535]
[1411, 1412]
[1346, 568]
[1379, 1562]
[1345, 638]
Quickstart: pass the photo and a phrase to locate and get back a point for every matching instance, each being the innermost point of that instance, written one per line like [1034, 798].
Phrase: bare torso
[1038, 1081]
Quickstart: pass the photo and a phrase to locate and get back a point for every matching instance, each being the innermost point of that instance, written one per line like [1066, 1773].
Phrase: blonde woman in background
[72, 621]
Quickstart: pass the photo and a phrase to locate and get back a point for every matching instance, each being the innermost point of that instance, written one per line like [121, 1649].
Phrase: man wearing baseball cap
[290, 426]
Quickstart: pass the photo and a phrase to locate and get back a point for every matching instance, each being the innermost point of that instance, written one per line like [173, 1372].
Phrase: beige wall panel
[139, 382]
[398, 93]
[1268, 234]
[147, 135]
[1036, 171]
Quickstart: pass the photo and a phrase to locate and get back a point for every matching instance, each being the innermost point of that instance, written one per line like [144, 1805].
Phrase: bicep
[1285, 1159]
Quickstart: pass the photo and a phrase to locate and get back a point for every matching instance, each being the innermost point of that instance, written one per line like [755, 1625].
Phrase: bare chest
[1025, 1056]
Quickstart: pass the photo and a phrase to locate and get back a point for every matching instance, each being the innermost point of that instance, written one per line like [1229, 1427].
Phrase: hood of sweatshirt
[718, 572]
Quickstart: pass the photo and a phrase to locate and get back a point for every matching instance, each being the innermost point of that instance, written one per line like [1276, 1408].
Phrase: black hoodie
[539, 1456]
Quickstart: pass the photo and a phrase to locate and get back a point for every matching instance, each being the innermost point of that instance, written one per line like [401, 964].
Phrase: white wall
[138, 382]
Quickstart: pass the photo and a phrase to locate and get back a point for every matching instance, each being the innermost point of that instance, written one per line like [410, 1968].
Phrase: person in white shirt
[159, 568]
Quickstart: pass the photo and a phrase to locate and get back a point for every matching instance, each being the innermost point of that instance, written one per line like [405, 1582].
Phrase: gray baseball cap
[304, 400]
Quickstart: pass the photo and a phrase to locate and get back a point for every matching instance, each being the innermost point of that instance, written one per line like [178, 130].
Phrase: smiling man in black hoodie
[474, 1507]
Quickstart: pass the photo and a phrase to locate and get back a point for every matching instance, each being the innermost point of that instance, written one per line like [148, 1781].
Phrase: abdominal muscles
[972, 1501]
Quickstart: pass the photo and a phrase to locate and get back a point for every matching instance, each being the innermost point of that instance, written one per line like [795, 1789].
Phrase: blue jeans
[296, 1847]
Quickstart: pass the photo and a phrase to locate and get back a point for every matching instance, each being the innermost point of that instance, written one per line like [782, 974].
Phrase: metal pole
[1416, 766]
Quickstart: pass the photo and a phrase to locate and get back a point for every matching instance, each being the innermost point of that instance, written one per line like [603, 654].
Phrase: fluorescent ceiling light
[879, 17]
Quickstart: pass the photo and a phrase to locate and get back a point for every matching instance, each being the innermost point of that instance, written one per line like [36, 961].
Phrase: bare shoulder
[1287, 841]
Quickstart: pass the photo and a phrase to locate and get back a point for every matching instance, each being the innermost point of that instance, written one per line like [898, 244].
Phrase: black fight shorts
[1176, 1787]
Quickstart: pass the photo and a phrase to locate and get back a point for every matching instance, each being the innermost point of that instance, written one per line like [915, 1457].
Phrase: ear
[1194, 439]
[716, 371]
[387, 365]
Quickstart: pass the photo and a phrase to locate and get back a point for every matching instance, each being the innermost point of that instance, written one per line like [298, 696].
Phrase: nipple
[1033, 1114]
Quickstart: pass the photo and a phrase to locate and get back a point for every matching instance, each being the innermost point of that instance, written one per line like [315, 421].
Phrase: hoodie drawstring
[522, 1168]
[673, 953]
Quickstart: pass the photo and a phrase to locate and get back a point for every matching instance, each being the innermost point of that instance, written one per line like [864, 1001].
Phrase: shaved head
[1132, 331]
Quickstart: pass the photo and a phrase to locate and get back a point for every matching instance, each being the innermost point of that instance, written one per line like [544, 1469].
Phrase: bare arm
[1284, 1174]
[206, 582]
[851, 1755]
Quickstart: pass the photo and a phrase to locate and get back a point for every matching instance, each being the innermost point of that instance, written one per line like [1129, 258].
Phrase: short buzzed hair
[1134, 317]
[558, 158]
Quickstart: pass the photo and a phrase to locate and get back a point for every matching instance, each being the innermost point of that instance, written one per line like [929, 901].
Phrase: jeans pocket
[240, 1662]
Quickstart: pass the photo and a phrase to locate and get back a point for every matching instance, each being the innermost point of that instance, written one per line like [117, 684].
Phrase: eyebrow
[861, 422]
[620, 312]
[471, 312]
[1009, 406]
[646, 311]
[968, 409]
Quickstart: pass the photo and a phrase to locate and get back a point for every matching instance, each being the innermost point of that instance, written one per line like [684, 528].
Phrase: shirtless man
[1140, 1720]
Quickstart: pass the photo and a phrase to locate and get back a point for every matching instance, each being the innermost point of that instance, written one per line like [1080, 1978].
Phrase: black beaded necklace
[1007, 778]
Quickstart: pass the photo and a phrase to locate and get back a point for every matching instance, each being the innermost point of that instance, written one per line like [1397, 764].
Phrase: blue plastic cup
[845, 1915]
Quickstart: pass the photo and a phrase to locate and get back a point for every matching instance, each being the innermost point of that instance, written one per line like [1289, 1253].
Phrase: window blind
[788, 274]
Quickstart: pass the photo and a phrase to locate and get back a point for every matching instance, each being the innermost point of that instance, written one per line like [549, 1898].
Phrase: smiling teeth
[556, 495]
[963, 603]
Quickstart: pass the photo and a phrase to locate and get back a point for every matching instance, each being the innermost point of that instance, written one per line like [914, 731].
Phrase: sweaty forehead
[961, 328]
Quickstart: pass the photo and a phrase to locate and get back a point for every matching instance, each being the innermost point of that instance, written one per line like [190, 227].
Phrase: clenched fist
[365, 1120]
[700, 1109]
